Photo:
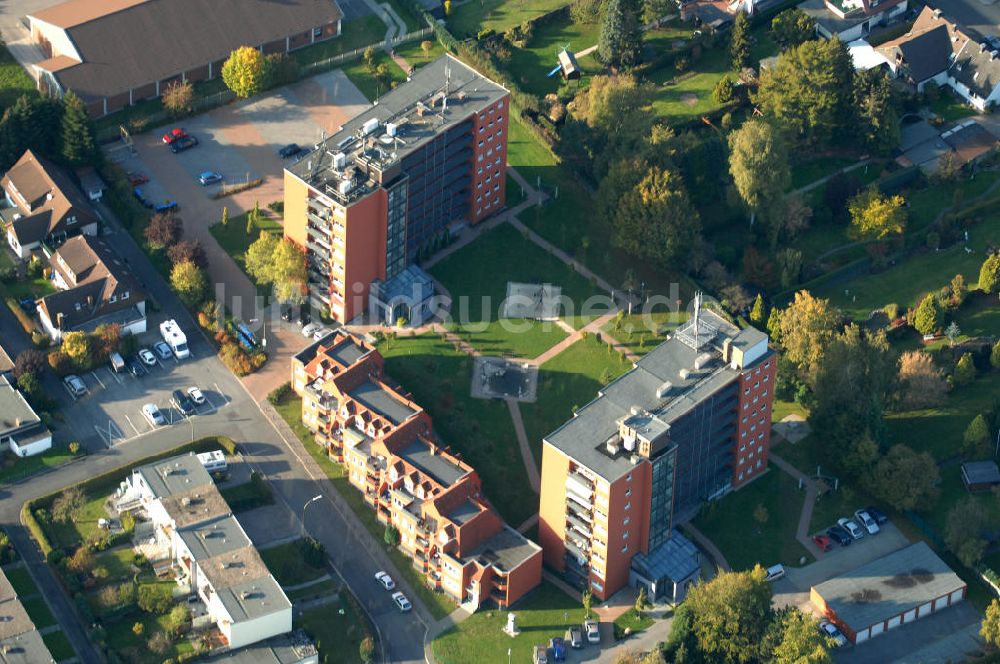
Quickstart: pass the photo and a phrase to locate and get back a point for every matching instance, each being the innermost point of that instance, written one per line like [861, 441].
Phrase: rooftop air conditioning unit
[345, 186]
[664, 390]
[391, 128]
[369, 126]
[339, 161]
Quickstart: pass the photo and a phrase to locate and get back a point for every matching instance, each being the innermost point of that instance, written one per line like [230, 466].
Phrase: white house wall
[56, 36]
[251, 631]
[31, 449]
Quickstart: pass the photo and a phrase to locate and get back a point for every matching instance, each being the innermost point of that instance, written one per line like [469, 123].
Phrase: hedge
[22, 317]
[109, 480]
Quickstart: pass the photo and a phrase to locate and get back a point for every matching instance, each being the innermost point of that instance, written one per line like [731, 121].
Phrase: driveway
[241, 142]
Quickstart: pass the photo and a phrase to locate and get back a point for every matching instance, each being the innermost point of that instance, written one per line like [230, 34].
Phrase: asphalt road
[295, 478]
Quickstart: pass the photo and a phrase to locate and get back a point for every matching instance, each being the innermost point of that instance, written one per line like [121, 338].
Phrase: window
[496, 187]
[492, 111]
[744, 420]
[625, 521]
[746, 405]
[488, 177]
[479, 199]
[741, 477]
[480, 144]
[499, 131]
[766, 377]
[760, 449]
[628, 506]
[112, 299]
[489, 153]
[746, 392]
[482, 128]
[760, 421]
[497, 162]
[479, 210]
[743, 435]
[743, 460]
[767, 365]
[479, 171]
[317, 32]
[625, 535]
[480, 158]
[743, 448]
[628, 478]
[496, 201]
[479, 185]
[482, 117]
[760, 462]
[70, 220]
[756, 385]
[760, 436]
[628, 492]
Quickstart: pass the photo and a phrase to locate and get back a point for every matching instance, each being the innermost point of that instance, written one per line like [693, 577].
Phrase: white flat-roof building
[21, 430]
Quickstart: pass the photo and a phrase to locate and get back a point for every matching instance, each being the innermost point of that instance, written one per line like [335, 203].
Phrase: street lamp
[308, 503]
[263, 326]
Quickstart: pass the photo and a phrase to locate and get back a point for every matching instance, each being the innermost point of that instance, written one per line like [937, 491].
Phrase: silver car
[75, 385]
[153, 415]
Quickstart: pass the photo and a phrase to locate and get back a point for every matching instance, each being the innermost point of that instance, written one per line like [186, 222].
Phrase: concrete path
[708, 545]
[528, 524]
[525, 446]
[808, 503]
[845, 169]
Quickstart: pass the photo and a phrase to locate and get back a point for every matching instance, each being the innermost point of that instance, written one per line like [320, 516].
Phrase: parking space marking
[225, 398]
[99, 381]
[129, 420]
[114, 375]
[111, 433]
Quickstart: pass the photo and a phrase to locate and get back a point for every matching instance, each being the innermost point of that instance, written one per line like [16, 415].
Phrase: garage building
[899, 588]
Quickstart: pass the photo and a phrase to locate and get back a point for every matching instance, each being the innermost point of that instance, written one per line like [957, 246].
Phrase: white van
[775, 572]
[117, 363]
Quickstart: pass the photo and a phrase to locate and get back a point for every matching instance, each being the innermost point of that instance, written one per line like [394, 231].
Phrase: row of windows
[749, 471]
[760, 437]
[499, 106]
[496, 201]
[489, 139]
[753, 453]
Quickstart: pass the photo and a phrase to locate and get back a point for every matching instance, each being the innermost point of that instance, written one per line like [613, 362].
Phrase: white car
[320, 333]
[75, 385]
[592, 631]
[385, 580]
[831, 630]
[152, 413]
[401, 601]
[851, 527]
[310, 329]
[147, 357]
[775, 572]
[196, 396]
[867, 522]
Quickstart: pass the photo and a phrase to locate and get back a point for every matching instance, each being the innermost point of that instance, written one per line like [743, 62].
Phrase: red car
[174, 134]
[135, 179]
[823, 542]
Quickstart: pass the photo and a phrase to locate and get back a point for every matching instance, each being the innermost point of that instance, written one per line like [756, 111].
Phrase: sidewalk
[809, 502]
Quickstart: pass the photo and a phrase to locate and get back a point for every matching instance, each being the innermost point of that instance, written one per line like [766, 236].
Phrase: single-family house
[43, 205]
[21, 430]
[848, 20]
[96, 287]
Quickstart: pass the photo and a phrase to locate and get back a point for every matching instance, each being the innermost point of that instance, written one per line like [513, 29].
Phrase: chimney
[937, 13]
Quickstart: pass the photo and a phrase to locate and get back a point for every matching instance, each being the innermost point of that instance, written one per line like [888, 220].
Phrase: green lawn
[21, 581]
[290, 410]
[361, 32]
[23, 467]
[233, 237]
[953, 492]
[59, 646]
[412, 20]
[950, 107]
[133, 648]
[640, 333]
[469, 17]
[414, 54]
[481, 430]
[784, 408]
[337, 630]
[809, 171]
[372, 89]
[289, 565]
[118, 564]
[477, 277]
[81, 527]
[14, 80]
[316, 590]
[39, 612]
[731, 525]
[939, 430]
[545, 613]
[33, 288]
[634, 621]
[927, 271]
[569, 381]
[249, 495]
[529, 67]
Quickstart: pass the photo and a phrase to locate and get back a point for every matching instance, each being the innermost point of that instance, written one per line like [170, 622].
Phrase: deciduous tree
[875, 216]
[30, 361]
[260, 257]
[990, 629]
[928, 317]
[923, 382]
[792, 27]
[905, 480]
[244, 72]
[66, 504]
[963, 532]
[189, 282]
[178, 97]
[758, 162]
[758, 311]
[989, 274]
[164, 229]
[77, 347]
[730, 614]
[976, 439]
[188, 251]
[801, 641]
[808, 325]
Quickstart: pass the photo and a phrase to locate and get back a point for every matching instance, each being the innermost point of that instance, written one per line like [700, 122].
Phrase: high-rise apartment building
[369, 199]
[690, 422]
[386, 444]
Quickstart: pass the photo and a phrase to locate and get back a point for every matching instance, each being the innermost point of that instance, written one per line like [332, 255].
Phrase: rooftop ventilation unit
[664, 389]
[339, 161]
[391, 128]
[702, 360]
[369, 126]
[684, 374]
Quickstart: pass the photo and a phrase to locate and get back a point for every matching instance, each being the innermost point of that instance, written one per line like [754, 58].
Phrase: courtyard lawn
[290, 409]
[359, 33]
[477, 277]
[544, 613]
[529, 67]
[744, 540]
[633, 621]
[471, 16]
[81, 527]
[23, 467]
[289, 565]
[950, 107]
[811, 170]
[59, 646]
[33, 288]
[414, 54]
[940, 430]
[567, 382]
[336, 635]
[118, 563]
[21, 581]
[782, 409]
[233, 237]
[640, 333]
[480, 429]
[358, 72]
[134, 648]
[39, 612]
[313, 591]
[14, 80]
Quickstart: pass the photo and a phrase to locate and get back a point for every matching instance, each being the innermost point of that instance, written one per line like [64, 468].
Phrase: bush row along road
[355, 554]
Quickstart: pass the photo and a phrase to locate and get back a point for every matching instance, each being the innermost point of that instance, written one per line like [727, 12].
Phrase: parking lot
[110, 412]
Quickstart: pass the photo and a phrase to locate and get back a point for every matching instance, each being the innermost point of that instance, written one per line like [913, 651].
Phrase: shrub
[74, 448]
[965, 370]
[279, 394]
[24, 319]
[154, 598]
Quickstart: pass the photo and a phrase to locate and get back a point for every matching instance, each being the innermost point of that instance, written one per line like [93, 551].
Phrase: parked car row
[398, 598]
[865, 521]
[185, 401]
[574, 638]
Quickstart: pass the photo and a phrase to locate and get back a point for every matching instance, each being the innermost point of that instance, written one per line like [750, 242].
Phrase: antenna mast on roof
[697, 314]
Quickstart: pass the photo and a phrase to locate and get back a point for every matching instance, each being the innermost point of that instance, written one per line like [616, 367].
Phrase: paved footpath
[709, 546]
[805, 517]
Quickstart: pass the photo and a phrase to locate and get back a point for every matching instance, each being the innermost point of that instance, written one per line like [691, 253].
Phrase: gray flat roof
[14, 619]
[346, 350]
[26, 648]
[464, 512]
[6, 363]
[438, 467]
[292, 648]
[981, 472]
[668, 367]
[254, 598]
[889, 586]
[214, 537]
[468, 92]
[382, 401]
[178, 474]
[15, 413]
[505, 550]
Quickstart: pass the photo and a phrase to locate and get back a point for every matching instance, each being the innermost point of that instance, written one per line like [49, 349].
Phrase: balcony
[580, 526]
[576, 488]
